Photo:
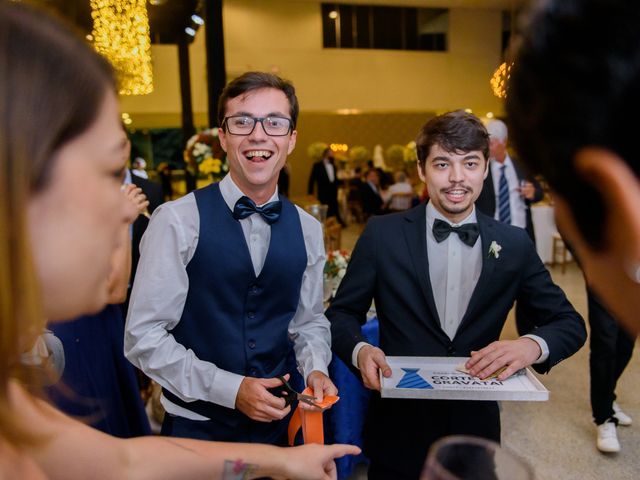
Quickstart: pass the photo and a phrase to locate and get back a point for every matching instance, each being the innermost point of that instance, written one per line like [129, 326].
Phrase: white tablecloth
[544, 226]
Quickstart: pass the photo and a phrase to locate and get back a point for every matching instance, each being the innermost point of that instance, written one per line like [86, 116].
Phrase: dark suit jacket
[390, 264]
[486, 202]
[153, 191]
[371, 200]
[327, 190]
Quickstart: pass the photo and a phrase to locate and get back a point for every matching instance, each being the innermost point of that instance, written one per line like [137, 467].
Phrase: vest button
[252, 344]
[254, 289]
[253, 372]
[451, 351]
[251, 314]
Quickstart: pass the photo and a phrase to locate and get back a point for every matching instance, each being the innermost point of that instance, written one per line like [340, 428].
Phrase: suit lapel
[487, 235]
[415, 233]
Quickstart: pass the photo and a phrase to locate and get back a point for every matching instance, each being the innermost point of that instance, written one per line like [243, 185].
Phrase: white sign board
[438, 378]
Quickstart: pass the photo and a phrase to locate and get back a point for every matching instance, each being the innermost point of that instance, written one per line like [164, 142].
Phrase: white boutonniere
[494, 249]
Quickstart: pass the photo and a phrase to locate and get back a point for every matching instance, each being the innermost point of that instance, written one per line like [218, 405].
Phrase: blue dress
[98, 385]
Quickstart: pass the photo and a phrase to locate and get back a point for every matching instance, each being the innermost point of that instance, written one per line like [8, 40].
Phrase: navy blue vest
[231, 317]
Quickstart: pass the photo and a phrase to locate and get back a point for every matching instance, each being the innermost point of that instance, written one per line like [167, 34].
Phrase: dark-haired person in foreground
[229, 284]
[571, 105]
[444, 277]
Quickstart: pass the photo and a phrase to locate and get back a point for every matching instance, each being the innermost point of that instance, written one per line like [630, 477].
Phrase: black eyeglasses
[244, 125]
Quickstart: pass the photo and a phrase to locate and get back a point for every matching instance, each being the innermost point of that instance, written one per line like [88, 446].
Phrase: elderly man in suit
[507, 193]
[324, 175]
[444, 277]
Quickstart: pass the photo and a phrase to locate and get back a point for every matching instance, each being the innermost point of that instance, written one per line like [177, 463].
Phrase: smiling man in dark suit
[444, 277]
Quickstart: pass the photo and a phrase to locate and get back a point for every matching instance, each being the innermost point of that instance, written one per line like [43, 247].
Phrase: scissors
[292, 395]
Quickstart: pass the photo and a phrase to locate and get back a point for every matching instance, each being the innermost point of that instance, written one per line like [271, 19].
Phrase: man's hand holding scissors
[256, 401]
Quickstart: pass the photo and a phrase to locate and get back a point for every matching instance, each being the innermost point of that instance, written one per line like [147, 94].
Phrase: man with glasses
[228, 293]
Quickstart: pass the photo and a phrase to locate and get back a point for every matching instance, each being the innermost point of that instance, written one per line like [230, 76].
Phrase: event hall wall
[388, 92]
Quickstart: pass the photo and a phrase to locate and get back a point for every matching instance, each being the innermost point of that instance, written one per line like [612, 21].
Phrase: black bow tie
[468, 232]
[245, 207]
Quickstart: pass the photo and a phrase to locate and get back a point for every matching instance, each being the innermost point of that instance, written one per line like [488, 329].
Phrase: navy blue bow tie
[468, 232]
[245, 207]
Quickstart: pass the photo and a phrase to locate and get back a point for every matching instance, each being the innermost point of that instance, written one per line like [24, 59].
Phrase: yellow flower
[210, 165]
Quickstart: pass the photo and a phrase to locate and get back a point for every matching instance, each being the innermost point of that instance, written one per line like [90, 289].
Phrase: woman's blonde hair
[52, 85]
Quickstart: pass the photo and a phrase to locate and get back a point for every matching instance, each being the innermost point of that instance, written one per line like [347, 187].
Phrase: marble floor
[558, 437]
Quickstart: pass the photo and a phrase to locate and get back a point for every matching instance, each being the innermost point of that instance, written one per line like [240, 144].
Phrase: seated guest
[400, 194]
[444, 278]
[370, 194]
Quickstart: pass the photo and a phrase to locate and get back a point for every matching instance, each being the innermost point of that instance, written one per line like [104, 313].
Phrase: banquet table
[544, 226]
[344, 422]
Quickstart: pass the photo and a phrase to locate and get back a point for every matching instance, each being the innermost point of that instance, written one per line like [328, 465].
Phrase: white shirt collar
[495, 165]
[231, 193]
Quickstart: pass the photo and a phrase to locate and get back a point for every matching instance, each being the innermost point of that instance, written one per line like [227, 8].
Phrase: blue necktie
[245, 207]
[504, 211]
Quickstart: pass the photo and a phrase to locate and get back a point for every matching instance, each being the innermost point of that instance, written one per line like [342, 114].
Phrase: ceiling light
[121, 34]
[190, 31]
[197, 19]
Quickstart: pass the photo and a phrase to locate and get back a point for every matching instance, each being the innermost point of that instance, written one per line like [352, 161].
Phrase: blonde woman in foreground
[61, 209]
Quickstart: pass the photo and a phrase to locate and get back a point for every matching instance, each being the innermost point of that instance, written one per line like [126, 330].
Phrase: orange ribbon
[310, 420]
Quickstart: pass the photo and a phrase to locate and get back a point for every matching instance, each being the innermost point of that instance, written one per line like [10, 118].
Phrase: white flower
[494, 249]
[341, 272]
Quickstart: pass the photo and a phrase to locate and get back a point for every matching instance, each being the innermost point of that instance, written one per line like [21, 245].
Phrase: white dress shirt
[454, 271]
[160, 291]
[517, 204]
[328, 166]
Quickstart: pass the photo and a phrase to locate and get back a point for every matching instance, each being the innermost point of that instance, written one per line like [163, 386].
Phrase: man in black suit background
[522, 190]
[444, 277]
[370, 194]
[153, 191]
[324, 174]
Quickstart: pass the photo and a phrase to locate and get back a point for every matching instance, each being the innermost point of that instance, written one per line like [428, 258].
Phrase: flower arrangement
[315, 150]
[410, 152]
[336, 265]
[204, 155]
[394, 157]
[334, 270]
[359, 155]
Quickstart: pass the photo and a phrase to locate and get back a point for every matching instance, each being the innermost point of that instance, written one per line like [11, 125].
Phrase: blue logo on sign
[411, 379]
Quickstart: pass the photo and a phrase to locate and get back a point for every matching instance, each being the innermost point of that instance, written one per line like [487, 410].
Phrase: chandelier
[121, 34]
[499, 80]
